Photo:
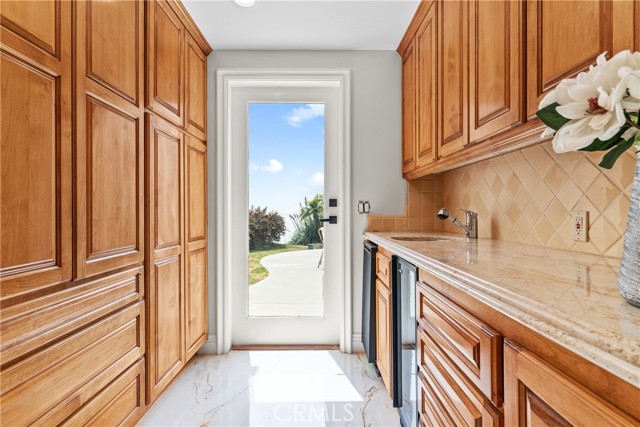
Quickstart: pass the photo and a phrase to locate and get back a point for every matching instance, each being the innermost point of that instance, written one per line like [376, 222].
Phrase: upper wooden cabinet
[496, 41]
[196, 89]
[109, 54]
[453, 97]
[165, 55]
[564, 38]
[483, 94]
[177, 67]
[426, 45]
[409, 84]
[35, 208]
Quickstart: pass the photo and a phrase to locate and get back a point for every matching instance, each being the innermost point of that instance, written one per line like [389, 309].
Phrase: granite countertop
[570, 298]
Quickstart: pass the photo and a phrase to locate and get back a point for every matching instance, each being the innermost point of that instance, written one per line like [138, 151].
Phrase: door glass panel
[286, 203]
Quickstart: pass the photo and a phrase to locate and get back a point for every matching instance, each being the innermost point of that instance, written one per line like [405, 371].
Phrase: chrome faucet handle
[471, 223]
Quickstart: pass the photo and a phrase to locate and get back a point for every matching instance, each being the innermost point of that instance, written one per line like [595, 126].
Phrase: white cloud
[317, 181]
[303, 114]
[274, 166]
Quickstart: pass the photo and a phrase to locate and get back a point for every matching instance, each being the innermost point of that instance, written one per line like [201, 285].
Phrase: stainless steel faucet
[471, 226]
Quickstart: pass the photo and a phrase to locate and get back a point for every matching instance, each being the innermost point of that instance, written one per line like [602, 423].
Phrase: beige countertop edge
[528, 312]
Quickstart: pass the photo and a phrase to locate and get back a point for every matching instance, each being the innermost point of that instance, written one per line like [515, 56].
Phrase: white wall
[376, 134]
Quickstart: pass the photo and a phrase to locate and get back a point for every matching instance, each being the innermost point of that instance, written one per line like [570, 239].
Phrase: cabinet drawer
[33, 324]
[64, 376]
[120, 404]
[383, 268]
[473, 346]
[445, 398]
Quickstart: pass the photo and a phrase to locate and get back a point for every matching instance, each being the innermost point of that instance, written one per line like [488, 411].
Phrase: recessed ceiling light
[245, 3]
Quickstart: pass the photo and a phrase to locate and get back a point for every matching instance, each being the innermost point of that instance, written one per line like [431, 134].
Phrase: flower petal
[574, 136]
[573, 110]
[582, 92]
[548, 99]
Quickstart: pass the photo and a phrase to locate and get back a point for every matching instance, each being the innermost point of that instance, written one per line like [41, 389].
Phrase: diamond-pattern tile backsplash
[527, 196]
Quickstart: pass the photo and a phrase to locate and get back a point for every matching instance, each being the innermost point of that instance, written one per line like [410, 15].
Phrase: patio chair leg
[320, 261]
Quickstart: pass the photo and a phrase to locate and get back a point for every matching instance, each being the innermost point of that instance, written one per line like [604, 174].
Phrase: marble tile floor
[275, 388]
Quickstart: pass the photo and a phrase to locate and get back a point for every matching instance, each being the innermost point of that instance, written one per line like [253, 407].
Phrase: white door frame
[227, 81]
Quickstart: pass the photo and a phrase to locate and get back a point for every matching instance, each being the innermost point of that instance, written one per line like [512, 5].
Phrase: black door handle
[333, 219]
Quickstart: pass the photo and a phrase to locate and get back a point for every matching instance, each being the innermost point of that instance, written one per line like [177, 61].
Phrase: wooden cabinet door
[426, 45]
[35, 154]
[165, 271]
[195, 89]
[109, 135]
[383, 334]
[196, 318]
[409, 87]
[563, 39]
[537, 394]
[453, 44]
[496, 40]
[165, 65]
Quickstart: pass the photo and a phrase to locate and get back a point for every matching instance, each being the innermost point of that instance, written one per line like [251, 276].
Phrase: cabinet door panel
[35, 212]
[497, 41]
[196, 318]
[195, 89]
[165, 62]
[166, 305]
[426, 45]
[409, 110]
[167, 189]
[38, 22]
[113, 181]
[109, 136]
[165, 260]
[536, 394]
[453, 96]
[383, 333]
[113, 45]
[563, 39]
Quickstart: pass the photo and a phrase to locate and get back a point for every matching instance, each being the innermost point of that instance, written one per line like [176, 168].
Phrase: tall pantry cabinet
[103, 275]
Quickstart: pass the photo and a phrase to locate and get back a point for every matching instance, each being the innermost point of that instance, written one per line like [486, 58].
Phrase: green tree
[307, 221]
[265, 228]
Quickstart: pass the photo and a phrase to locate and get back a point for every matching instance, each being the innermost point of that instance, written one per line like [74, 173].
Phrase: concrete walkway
[293, 287]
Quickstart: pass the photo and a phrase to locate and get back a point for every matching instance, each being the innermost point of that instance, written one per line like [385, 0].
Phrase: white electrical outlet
[580, 222]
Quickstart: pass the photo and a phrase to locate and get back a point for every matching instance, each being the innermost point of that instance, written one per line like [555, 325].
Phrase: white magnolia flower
[595, 101]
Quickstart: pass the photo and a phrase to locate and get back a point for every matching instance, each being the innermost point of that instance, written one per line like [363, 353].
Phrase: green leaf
[598, 145]
[550, 117]
[610, 158]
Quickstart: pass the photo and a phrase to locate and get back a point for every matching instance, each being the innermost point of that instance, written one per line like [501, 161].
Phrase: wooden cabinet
[35, 154]
[447, 398]
[426, 42]
[101, 261]
[165, 59]
[195, 89]
[484, 96]
[409, 83]
[564, 38]
[109, 135]
[196, 318]
[165, 256]
[383, 334]
[473, 347]
[453, 60]
[496, 42]
[536, 394]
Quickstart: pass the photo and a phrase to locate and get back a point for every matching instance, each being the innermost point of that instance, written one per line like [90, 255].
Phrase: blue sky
[286, 156]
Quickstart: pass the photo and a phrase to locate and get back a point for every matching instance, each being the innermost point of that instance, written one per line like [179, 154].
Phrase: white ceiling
[303, 24]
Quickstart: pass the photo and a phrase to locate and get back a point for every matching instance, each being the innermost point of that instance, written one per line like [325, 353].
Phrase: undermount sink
[421, 238]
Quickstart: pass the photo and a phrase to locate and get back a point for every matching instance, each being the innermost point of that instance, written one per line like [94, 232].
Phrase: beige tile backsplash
[527, 196]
